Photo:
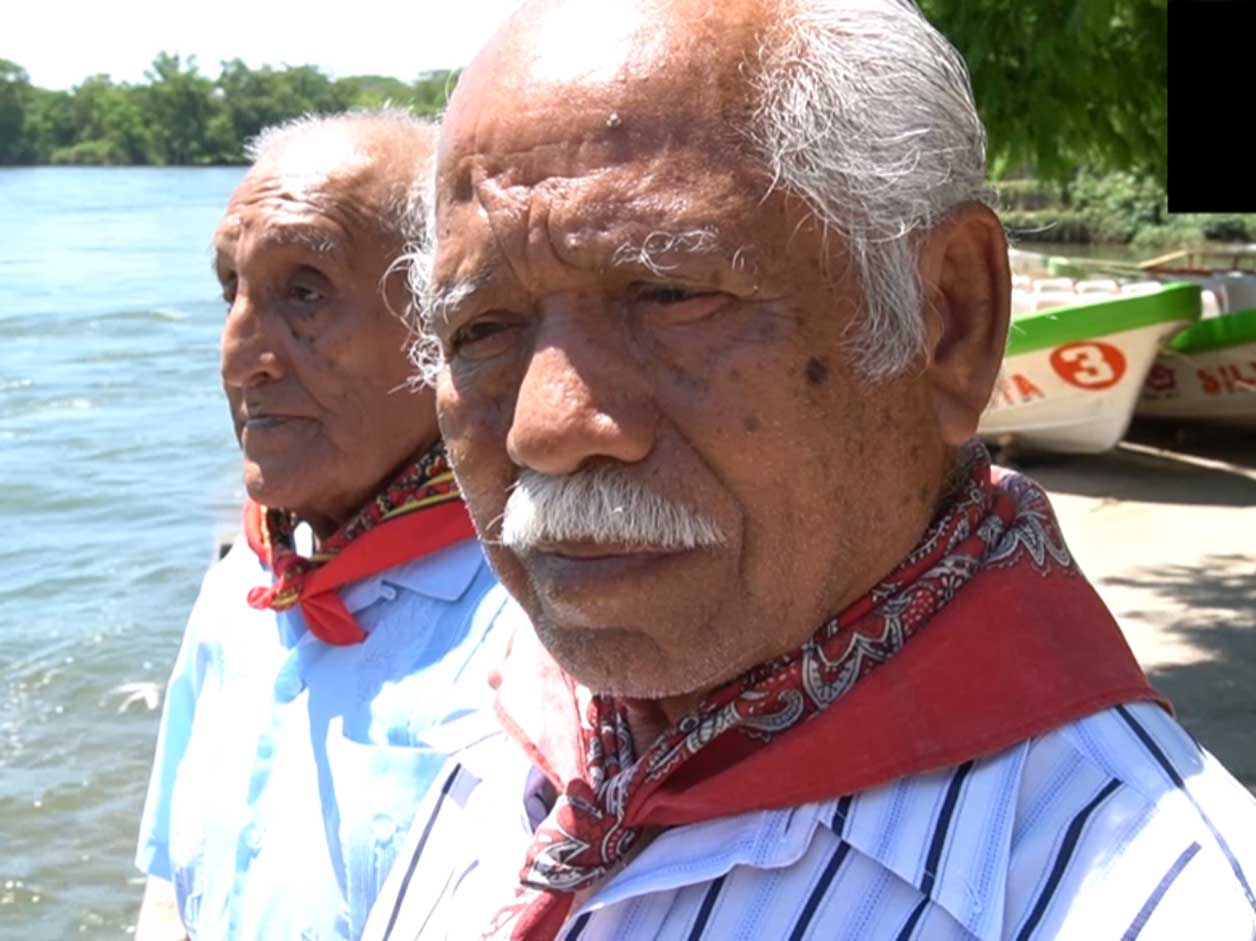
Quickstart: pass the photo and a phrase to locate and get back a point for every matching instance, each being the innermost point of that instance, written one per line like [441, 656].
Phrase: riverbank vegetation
[1073, 93]
[180, 116]
[1116, 207]
[1060, 84]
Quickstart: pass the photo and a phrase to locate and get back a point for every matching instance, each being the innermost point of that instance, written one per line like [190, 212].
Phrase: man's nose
[581, 397]
[249, 352]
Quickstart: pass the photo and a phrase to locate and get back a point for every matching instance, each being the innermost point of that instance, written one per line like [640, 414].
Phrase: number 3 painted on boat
[1089, 365]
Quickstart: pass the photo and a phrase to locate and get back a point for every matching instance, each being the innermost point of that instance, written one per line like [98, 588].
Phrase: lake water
[117, 467]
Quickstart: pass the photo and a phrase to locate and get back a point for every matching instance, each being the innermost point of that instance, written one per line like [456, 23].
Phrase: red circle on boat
[1090, 364]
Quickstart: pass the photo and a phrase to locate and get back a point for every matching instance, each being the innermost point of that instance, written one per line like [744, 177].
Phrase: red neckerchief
[1018, 643]
[417, 512]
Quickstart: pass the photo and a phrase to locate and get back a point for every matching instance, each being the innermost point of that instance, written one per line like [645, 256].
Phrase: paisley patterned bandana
[1017, 642]
[417, 512]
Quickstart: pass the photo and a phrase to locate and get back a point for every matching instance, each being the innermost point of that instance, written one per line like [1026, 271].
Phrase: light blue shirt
[288, 771]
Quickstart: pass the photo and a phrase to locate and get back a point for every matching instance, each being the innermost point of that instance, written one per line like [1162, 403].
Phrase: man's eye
[665, 295]
[308, 286]
[306, 294]
[486, 336]
[676, 304]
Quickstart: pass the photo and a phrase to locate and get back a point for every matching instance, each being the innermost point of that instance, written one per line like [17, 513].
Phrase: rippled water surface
[117, 468]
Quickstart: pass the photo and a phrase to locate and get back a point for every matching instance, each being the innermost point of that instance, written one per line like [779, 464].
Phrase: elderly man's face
[622, 294]
[312, 358]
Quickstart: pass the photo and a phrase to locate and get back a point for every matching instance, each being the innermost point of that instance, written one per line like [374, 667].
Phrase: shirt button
[382, 828]
[253, 839]
[387, 592]
[265, 748]
[288, 686]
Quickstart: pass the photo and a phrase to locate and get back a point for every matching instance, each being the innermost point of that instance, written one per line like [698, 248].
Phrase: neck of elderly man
[621, 290]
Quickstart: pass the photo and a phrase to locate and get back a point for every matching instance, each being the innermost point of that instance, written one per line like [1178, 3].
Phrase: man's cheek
[483, 472]
[237, 417]
[475, 426]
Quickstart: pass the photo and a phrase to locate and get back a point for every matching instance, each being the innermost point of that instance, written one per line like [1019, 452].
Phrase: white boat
[1207, 374]
[1229, 271]
[1226, 271]
[1072, 375]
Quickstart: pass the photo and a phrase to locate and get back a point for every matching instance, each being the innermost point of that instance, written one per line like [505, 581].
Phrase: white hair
[404, 212]
[650, 253]
[865, 111]
[424, 348]
[601, 505]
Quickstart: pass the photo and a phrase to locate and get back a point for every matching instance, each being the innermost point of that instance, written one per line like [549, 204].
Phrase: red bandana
[417, 512]
[1018, 643]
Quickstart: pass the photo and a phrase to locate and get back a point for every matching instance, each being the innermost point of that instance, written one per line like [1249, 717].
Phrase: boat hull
[1072, 377]
[1207, 375]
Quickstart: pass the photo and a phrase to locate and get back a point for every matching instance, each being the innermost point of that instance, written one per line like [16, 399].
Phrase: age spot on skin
[750, 423]
[817, 371]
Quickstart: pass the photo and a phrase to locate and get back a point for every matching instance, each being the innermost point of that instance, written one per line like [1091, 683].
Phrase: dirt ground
[1165, 527]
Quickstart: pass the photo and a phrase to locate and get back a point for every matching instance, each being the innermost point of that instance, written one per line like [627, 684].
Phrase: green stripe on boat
[1217, 333]
[1061, 325]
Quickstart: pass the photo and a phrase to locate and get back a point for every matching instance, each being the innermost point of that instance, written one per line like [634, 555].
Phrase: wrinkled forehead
[593, 117]
[558, 42]
[323, 199]
[571, 70]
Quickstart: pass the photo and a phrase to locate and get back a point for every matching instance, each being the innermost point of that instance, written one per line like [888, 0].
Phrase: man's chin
[269, 487]
[621, 661]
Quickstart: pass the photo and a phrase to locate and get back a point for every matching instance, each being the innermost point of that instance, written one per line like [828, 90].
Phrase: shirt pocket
[378, 789]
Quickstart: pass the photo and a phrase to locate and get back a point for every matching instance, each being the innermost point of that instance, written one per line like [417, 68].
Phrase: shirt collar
[969, 879]
[444, 575]
[898, 824]
[700, 852]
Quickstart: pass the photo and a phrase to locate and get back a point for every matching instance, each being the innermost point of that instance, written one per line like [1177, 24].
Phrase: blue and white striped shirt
[1115, 826]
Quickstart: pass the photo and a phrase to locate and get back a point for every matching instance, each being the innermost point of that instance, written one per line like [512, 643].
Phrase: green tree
[48, 124]
[178, 106]
[109, 125]
[15, 91]
[1066, 83]
[374, 91]
[432, 91]
[255, 98]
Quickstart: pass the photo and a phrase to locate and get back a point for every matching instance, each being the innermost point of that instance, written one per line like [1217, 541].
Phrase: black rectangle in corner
[1212, 105]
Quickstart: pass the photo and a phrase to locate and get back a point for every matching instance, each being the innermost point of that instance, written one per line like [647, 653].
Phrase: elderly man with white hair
[715, 304]
[332, 648]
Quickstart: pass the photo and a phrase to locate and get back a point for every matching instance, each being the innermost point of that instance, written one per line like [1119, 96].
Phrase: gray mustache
[602, 505]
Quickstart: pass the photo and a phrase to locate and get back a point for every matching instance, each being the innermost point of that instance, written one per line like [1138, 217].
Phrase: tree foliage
[1061, 84]
[180, 116]
[14, 92]
[1066, 83]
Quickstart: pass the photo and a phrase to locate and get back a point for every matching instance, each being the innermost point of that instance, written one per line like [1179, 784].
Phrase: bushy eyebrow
[441, 302]
[651, 252]
[317, 240]
[314, 238]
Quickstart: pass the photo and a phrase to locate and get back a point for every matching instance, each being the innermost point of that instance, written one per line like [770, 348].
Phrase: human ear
[966, 303]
